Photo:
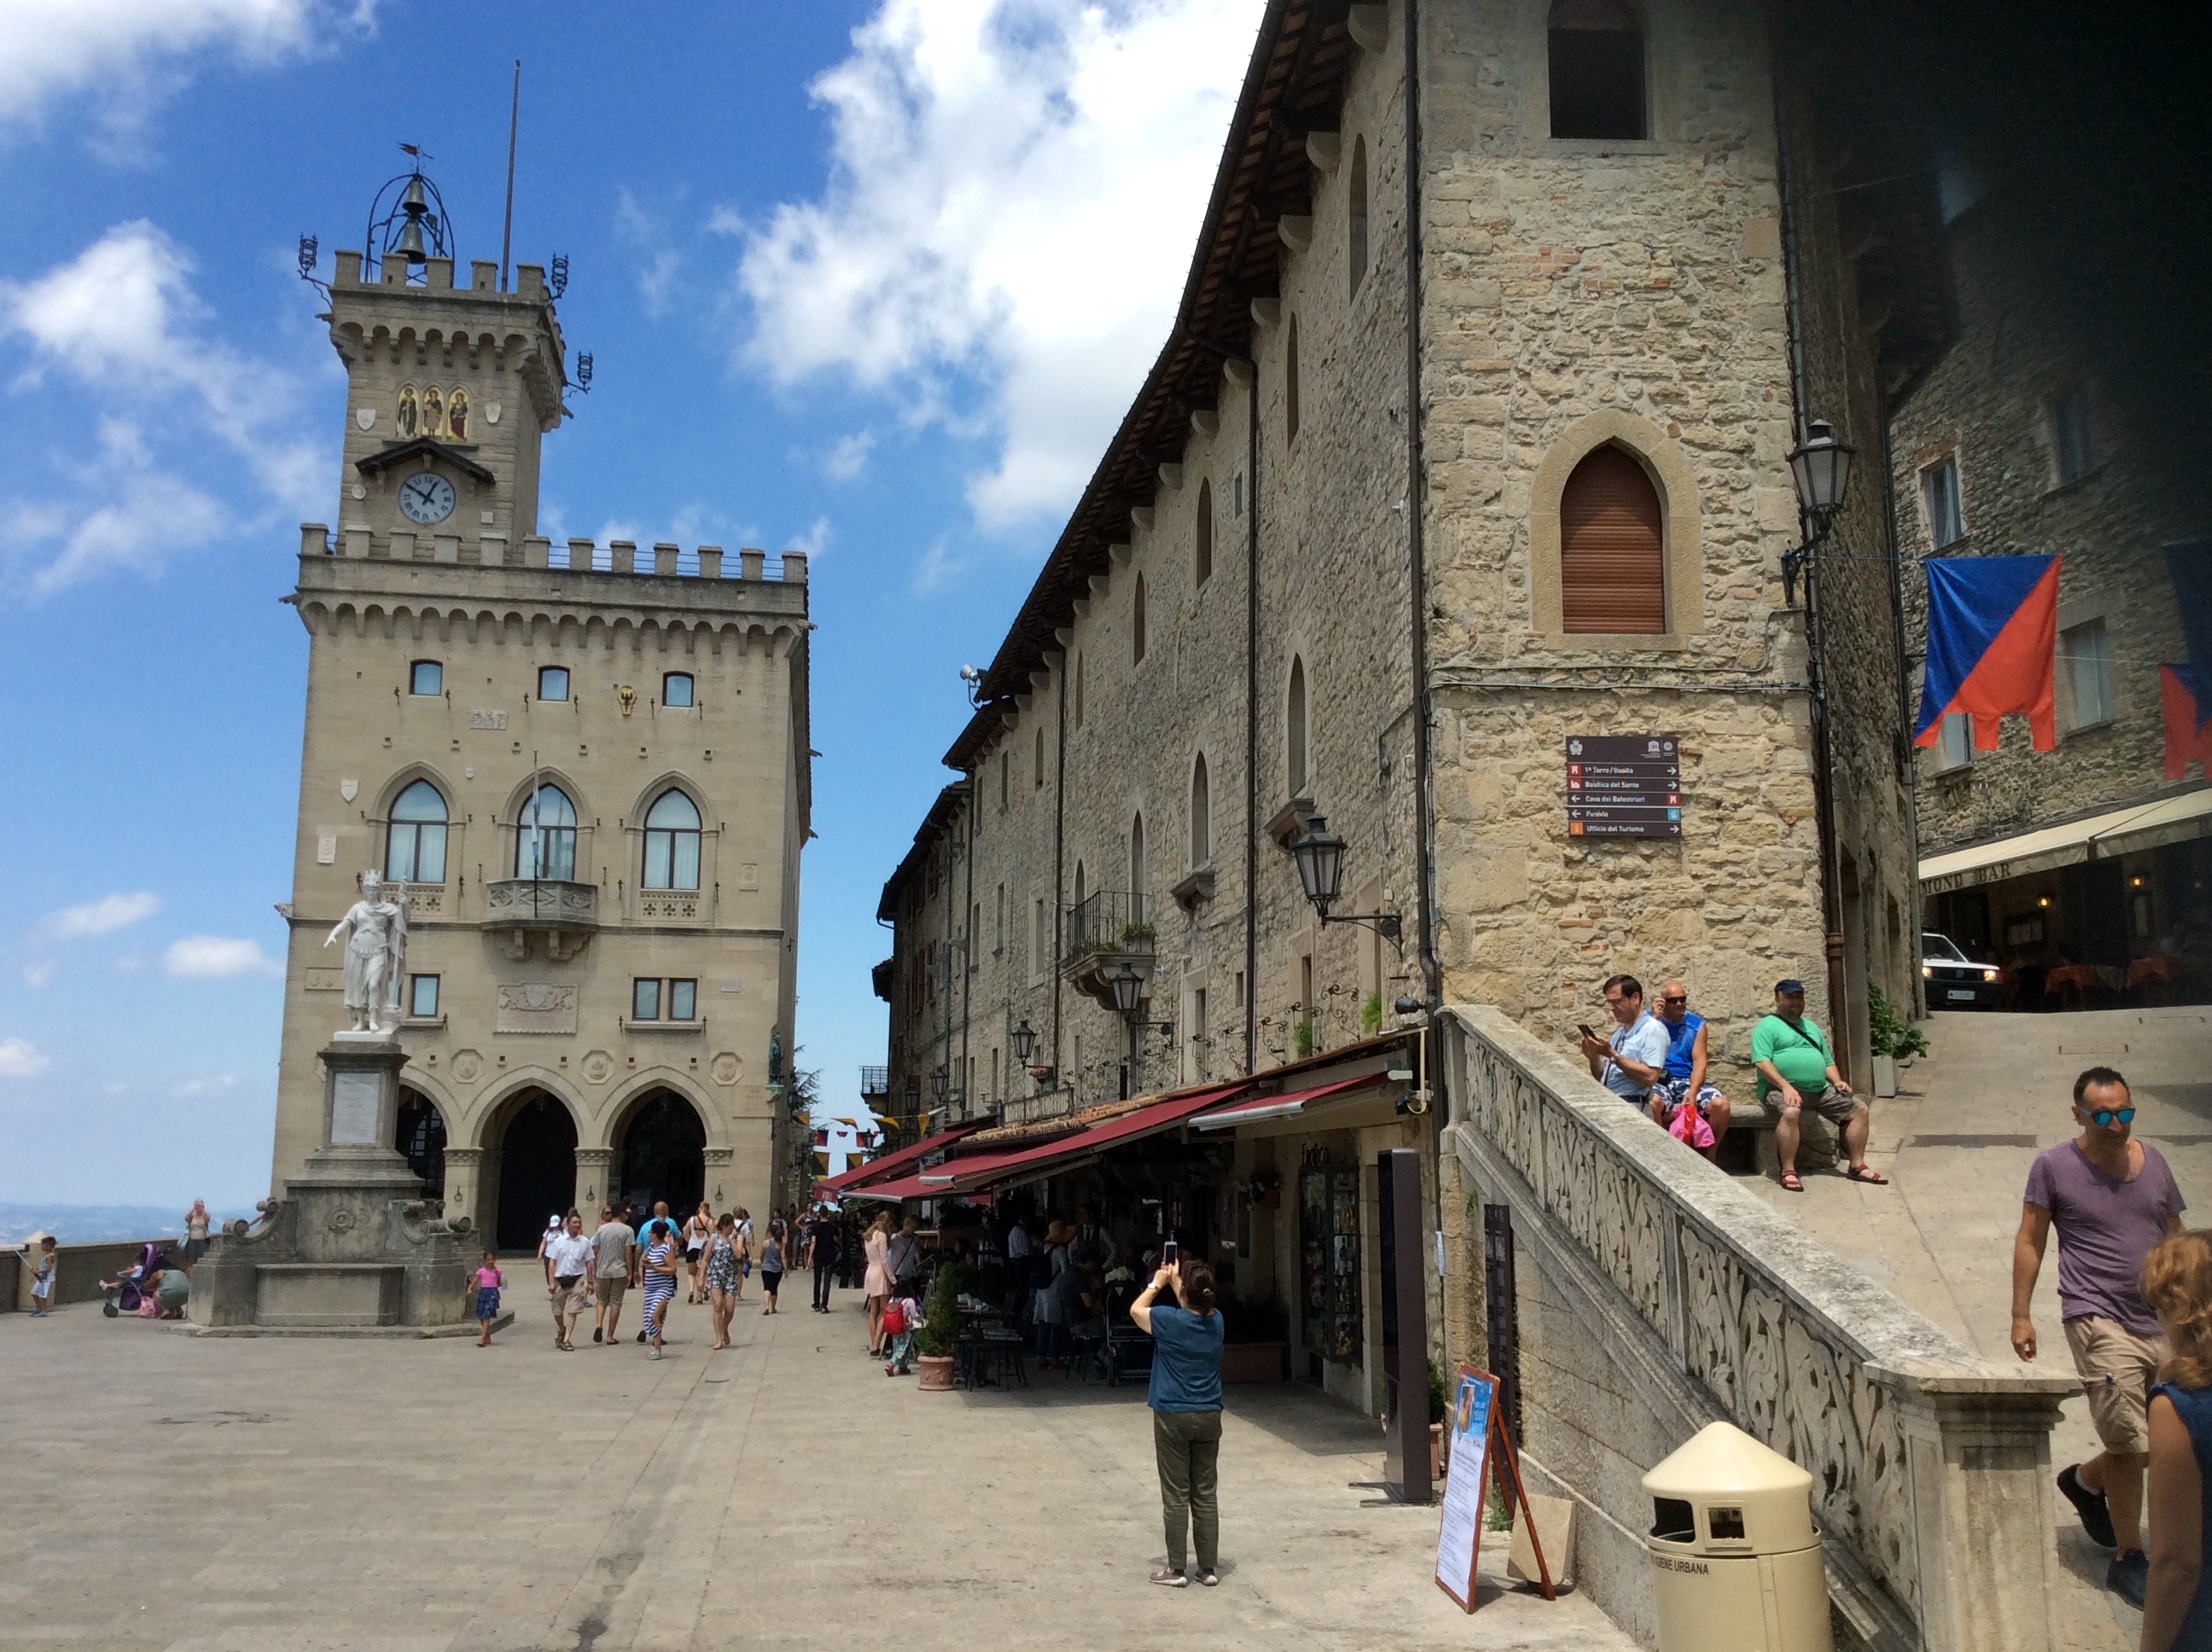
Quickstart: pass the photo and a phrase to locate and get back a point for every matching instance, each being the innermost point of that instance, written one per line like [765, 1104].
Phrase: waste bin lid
[1723, 1467]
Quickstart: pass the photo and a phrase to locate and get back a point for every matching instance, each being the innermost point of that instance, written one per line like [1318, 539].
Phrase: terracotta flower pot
[936, 1372]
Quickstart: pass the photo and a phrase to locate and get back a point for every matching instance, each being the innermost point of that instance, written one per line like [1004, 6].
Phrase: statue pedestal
[353, 1248]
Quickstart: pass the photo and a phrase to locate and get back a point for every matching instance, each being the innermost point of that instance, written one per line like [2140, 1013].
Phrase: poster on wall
[1460, 1533]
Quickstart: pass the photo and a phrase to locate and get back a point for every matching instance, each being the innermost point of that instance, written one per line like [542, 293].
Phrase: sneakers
[1209, 1579]
[2128, 1576]
[1168, 1577]
[2096, 1514]
[653, 1352]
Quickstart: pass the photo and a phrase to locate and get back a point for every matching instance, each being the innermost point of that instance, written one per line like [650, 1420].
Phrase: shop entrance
[421, 1140]
[536, 1168]
[663, 1154]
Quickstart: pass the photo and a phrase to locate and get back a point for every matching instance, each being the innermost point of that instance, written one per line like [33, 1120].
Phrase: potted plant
[940, 1335]
[1890, 1036]
[1255, 1335]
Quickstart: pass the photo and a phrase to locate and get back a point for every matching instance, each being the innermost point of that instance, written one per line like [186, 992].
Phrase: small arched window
[1137, 868]
[676, 688]
[1201, 562]
[1079, 883]
[1038, 784]
[672, 843]
[1291, 381]
[1201, 814]
[1356, 215]
[545, 835]
[1078, 717]
[1597, 49]
[1612, 549]
[1136, 622]
[1294, 729]
[415, 852]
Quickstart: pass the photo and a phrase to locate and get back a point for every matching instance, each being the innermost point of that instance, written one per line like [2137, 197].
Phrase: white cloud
[849, 457]
[213, 957]
[202, 1084]
[1017, 186]
[121, 321]
[101, 917]
[38, 973]
[812, 543]
[127, 52]
[21, 1058]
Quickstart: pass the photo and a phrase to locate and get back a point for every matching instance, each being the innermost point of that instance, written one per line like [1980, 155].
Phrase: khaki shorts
[1830, 1104]
[610, 1289]
[2117, 1368]
[570, 1300]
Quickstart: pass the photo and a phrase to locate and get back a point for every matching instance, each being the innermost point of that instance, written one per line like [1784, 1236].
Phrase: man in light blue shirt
[1634, 1059]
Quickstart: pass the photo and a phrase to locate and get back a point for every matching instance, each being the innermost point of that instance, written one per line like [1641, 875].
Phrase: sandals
[1790, 1184]
[1866, 1174]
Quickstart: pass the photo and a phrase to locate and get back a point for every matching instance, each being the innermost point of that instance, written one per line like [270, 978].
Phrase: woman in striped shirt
[659, 1283]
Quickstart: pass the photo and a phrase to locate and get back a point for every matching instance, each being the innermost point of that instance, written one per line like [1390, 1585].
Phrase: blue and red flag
[2188, 708]
[1992, 635]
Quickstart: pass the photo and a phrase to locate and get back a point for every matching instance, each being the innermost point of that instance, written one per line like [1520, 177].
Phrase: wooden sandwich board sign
[1477, 1432]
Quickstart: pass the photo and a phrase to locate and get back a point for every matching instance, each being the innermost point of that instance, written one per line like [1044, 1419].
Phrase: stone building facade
[2052, 426]
[587, 767]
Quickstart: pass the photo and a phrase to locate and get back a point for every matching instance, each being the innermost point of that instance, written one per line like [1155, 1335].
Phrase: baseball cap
[1789, 984]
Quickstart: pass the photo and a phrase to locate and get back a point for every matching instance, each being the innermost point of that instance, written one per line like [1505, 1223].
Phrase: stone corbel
[1325, 150]
[1296, 229]
[1369, 27]
[1141, 515]
[1172, 477]
[1206, 421]
[1267, 312]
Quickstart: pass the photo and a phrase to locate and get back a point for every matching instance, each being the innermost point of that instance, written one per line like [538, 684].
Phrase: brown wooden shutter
[1612, 552]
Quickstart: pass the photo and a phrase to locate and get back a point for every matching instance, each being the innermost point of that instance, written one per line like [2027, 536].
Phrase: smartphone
[1586, 1032]
[1169, 1254]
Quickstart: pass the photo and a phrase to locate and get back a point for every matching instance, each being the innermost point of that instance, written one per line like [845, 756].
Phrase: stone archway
[661, 1152]
[537, 1150]
[419, 1139]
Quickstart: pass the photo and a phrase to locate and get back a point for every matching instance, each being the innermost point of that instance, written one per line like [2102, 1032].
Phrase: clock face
[426, 498]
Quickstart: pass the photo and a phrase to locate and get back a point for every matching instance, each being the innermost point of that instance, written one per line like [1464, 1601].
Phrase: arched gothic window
[415, 852]
[1291, 381]
[1201, 562]
[1613, 560]
[1356, 215]
[1201, 814]
[672, 843]
[1597, 49]
[1137, 867]
[1294, 729]
[545, 835]
[1137, 618]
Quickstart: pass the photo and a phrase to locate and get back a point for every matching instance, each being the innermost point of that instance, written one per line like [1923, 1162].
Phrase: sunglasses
[1671, 997]
[2109, 1115]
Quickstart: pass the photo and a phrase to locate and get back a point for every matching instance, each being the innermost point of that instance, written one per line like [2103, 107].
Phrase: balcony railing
[540, 903]
[1111, 921]
[875, 1081]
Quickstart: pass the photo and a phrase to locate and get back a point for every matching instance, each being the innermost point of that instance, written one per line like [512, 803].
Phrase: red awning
[962, 1175]
[1279, 1106]
[892, 1164]
[892, 1192]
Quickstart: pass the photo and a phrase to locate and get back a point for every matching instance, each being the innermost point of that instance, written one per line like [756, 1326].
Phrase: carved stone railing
[1930, 1465]
[541, 902]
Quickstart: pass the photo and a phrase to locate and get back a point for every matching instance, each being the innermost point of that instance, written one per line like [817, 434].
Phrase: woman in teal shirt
[1186, 1402]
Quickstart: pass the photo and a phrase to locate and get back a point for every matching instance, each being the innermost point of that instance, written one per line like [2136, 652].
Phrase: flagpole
[506, 232]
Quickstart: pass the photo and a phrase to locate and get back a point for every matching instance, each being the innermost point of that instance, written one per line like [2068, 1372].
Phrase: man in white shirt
[615, 1251]
[1018, 1264]
[567, 1265]
[1634, 1059]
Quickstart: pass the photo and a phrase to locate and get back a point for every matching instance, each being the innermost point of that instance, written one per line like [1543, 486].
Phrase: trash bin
[1736, 1558]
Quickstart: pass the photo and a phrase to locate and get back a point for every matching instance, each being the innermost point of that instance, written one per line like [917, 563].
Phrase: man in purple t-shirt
[2112, 1199]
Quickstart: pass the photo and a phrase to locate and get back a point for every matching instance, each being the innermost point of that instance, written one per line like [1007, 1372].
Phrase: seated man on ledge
[1632, 1059]
[1706, 1118]
[1796, 1068]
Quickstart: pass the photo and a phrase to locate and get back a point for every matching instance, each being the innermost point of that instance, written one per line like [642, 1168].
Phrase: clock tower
[451, 388]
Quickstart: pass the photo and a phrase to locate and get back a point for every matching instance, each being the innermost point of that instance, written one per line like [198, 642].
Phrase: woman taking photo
[2176, 1282]
[1186, 1402]
[878, 1283]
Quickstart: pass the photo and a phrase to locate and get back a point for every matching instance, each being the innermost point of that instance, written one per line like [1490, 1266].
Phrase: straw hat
[1059, 1234]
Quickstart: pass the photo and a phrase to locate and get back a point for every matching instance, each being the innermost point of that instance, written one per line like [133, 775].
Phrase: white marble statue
[375, 956]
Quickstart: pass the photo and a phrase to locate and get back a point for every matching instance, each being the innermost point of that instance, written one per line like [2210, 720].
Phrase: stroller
[126, 1291]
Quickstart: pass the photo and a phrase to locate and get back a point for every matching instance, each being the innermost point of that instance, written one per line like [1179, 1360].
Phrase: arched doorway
[421, 1139]
[536, 1168]
[663, 1153]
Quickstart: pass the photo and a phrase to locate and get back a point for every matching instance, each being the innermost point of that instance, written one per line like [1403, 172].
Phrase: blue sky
[873, 279]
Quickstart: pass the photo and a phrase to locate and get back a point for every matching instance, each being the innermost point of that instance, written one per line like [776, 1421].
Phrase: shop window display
[1328, 1251]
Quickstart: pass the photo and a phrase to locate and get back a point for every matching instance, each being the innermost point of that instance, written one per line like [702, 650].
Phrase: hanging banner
[2187, 705]
[1992, 636]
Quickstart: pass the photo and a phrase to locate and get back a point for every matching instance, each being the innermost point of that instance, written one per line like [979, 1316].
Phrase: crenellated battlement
[483, 284]
[661, 559]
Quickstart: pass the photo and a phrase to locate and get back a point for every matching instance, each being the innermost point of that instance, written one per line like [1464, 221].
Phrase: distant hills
[93, 1224]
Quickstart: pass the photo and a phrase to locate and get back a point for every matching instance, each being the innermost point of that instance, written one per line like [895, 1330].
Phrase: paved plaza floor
[314, 1495]
[1994, 1090]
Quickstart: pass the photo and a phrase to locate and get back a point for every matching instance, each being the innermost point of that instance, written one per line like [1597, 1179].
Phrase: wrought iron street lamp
[1821, 465]
[1127, 986]
[1024, 1041]
[1319, 853]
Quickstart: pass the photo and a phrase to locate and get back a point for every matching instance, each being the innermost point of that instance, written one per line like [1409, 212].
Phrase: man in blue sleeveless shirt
[1685, 1084]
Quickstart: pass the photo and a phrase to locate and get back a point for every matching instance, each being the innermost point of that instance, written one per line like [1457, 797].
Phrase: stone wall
[2027, 333]
[1655, 1296]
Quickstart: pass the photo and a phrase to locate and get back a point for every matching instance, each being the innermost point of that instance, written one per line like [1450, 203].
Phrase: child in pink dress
[489, 1280]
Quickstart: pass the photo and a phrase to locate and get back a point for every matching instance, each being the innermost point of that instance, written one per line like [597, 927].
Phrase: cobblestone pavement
[1994, 1091]
[311, 1495]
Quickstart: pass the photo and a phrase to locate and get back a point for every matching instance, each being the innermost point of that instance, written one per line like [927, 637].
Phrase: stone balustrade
[1931, 1464]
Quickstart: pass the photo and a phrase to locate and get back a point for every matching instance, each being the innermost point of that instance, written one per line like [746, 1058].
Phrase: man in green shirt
[1797, 1070]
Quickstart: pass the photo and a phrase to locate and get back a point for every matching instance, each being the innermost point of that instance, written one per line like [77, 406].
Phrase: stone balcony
[1104, 932]
[567, 914]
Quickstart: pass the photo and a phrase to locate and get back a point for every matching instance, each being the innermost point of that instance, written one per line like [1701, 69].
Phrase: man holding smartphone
[1634, 1058]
